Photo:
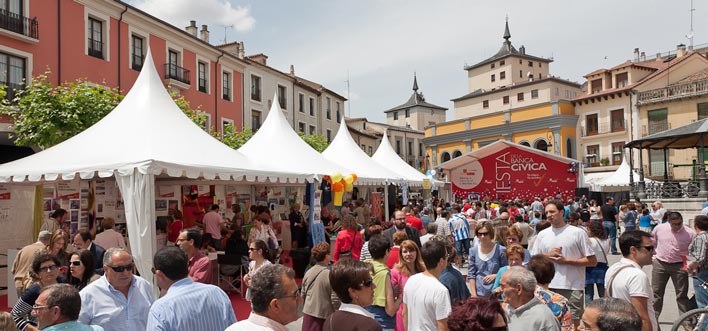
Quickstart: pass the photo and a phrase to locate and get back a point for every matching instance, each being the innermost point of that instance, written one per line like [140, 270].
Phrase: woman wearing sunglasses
[81, 269]
[485, 260]
[257, 253]
[351, 281]
[45, 270]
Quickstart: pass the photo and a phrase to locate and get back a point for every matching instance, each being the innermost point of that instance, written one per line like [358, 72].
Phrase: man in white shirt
[569, 248]
[274, 300]
[627, 281]
[426, 301]
[109, 238]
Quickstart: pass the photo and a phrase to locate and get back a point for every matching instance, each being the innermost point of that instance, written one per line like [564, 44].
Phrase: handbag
[348, 253]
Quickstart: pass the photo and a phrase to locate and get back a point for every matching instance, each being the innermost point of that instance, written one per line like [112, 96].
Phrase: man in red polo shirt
[413, 221]
[199, 265]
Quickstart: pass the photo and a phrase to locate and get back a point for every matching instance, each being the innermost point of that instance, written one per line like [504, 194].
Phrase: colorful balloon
[336, 177]
[349, 179]
[337, 187]
[354, 177]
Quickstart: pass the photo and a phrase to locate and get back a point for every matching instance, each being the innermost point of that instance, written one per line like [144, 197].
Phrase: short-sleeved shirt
[443, 227]
[629, 280]
[671, 245]
[459, 227]
[575, 244]
[212, 224]
[102, 304]
[200, 268]
[427, 301]
[455, 284]
[608, 213]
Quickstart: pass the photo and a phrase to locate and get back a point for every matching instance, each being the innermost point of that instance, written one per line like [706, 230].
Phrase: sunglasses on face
[482, 234]
[251, 249]
[368, 282]
[648, 248]
[122, 268]
[48, 268]
[75, 263]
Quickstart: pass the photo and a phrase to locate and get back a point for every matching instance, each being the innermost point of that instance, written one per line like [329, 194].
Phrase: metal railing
[173, 71]
[670, 189]
[95, 48]
[605, 128]
[19, 24]
[672, 92]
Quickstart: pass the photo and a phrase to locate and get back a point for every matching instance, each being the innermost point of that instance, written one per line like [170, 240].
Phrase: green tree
[44, 115]
[319, 143]
[234, 138]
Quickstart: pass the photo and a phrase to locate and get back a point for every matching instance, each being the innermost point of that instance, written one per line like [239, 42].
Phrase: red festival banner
[514, 173]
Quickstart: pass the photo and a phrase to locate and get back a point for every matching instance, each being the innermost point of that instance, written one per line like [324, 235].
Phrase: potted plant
[604, 161]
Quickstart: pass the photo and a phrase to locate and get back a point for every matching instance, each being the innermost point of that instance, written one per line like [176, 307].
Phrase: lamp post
[427, 160]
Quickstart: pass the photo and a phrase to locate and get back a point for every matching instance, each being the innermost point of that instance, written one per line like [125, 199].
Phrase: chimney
[260, 58]
[680, 50]
[522, 49]
[241, 50]
[292, 70]
[643, 57]
[192, 28]
[636, 55]
[205, 33]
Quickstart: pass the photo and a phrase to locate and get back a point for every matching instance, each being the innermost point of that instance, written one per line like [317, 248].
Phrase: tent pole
[703, 193]
[386, 217]
[641, 193]
[631, 174]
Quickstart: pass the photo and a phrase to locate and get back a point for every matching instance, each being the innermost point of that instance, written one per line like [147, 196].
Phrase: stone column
[703, 193]
[641, 194]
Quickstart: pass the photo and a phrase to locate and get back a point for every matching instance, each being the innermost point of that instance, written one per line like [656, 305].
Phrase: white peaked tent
[386, 156]
[276, 144]
[343, 150]
[619, 178]
[144, 136]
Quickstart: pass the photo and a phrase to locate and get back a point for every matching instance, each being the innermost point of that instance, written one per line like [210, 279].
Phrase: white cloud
[215, 13]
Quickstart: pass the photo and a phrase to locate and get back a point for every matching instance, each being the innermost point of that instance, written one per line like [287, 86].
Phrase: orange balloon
[337, 187]
[354, 177]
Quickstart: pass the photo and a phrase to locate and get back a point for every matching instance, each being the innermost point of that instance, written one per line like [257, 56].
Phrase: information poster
[376, 202]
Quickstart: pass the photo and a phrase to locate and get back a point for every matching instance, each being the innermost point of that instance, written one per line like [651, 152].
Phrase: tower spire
[415, 83]
[507, 35]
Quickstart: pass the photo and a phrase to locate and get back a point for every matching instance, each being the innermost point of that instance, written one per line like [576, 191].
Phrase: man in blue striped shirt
[460, 231]
[186, 305]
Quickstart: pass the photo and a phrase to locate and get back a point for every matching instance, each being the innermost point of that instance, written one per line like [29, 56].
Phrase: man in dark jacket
[399, 223]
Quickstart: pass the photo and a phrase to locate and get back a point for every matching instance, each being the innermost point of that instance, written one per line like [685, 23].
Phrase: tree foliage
[44, 115]
[319, 143]
[234, 138]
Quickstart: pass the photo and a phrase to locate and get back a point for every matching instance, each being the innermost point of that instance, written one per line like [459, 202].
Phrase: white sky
[379, 43]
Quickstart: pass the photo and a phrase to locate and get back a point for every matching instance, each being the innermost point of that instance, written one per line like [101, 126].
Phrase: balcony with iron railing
[604, 128]
[177, 75]
[655, 127]
[673, 92]
[19, 24]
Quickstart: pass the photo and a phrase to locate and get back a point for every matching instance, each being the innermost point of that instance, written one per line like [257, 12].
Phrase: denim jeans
[611, 229]
[701, 293]
[462, 246]
[590, 292]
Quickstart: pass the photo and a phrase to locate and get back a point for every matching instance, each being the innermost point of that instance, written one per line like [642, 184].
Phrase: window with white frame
[95, 37]
[329, 108]
[339, 116]
[395, 115]
[202, 74]
[301, 102]
[206, 125]
[255, 120]
[226, 85]
[12, 73]
[301, 127]
[312, 106]
[255, 88]
[138, 52]
[282, 96]
[313, 130]
[225, 123]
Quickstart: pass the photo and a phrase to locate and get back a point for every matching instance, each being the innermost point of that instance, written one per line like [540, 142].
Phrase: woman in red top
[176, 226]
[349, 241]
[393, 256]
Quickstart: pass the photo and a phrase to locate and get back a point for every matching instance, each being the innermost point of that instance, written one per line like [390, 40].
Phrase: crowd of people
[472, 265]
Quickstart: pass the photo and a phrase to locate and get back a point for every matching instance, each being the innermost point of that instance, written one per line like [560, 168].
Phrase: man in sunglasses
[186, 305]
[627, 281]
[671, 240]
[57, 308]
[118, 301]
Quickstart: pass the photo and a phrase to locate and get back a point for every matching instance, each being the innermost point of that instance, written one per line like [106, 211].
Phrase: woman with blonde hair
[409, 263]
[57, 246]
[6, 322]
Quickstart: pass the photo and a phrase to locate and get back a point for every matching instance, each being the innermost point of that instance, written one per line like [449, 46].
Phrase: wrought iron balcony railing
[19, 24]
[173, 71]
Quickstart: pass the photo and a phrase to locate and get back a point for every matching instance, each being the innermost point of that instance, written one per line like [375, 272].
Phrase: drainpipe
[216, 98]
[58, 42]
[243, 100]
[119, 43]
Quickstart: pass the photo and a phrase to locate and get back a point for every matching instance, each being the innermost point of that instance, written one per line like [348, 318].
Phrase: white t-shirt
[599, 246]
[574, 244]
[631, 282]
[427, 300]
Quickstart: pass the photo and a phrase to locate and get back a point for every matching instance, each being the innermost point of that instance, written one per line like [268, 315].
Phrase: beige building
[511, 96]
[416, 113]
[407, 143]
[625, 102]
[309, 107]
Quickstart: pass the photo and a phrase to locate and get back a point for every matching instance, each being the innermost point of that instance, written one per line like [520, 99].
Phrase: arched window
[444, 157]
[456, 154]
[541, 144]
[569, 148]
[525, 143]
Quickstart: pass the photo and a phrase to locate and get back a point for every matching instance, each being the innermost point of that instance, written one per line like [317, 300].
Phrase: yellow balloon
[336, 177]
[349, 179]
[349, 187]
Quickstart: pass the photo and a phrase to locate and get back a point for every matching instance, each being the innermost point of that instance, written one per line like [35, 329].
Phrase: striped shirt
[697, 250]
[191, 306]
[459, 227]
